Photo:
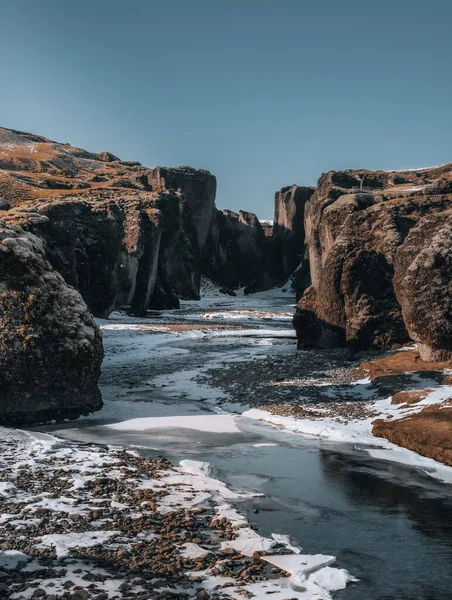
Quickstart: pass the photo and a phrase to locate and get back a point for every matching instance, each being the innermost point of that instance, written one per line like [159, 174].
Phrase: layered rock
[363, 260]
[50, 347]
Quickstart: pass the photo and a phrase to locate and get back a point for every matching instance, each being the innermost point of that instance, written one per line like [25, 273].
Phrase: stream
[387, 524]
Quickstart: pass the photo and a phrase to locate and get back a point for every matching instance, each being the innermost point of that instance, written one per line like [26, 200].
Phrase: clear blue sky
[263, 93]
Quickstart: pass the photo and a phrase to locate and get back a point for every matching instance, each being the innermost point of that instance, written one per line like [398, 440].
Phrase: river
[388, 524]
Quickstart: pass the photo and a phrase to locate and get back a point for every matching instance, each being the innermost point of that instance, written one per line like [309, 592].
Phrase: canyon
[367, 254]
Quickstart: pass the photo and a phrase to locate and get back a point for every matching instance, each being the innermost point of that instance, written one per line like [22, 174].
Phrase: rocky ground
[103, 523]
[300, 378]
[398, 396]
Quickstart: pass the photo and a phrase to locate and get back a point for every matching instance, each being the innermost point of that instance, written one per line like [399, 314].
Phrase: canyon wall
[286, 255]
[86, 232]
[124, 235]
[379, 250]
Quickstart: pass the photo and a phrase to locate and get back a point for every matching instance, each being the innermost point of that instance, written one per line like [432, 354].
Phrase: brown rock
[364, 229]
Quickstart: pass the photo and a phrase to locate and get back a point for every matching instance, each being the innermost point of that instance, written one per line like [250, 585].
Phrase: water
[389, 525]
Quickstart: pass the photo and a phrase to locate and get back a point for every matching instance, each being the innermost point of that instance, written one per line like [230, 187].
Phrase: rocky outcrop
[50, 347]
[364, 231]
[286, 254]
[123, 235]
[198, 189]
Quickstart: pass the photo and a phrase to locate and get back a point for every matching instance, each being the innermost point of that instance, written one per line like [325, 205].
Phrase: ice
[359, 431]
[300, 566]
[285, 539]
[195, 467]
[11, 559]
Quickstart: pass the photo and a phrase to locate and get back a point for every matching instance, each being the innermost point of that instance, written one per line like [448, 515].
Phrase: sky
[262, 93]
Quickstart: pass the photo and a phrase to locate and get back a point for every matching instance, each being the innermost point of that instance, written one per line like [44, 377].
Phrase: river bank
[104, 523]
[178, 382]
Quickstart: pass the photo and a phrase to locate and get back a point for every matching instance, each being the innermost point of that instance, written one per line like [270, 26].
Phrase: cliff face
[241, 250]
[286, 254]
[123, 235]
[375, 241]
[119, 233]
[50, 347]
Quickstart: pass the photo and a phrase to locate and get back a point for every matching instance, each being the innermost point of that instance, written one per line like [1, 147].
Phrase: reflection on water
[396, 537]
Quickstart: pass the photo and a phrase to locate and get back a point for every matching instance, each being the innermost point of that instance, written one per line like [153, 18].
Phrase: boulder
[50, 347]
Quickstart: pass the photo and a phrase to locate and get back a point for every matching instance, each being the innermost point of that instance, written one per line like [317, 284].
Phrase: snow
[414, 170]
[232, 515]
[247, 315]
[7, 489]
[209, 423]
[300, 566]
[193, 551]
[63, 542]
[359, 432]
[248, 542]
[195, 467]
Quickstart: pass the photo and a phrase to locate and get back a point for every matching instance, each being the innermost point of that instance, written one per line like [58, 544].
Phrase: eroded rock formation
[50, 347]
[380, 260]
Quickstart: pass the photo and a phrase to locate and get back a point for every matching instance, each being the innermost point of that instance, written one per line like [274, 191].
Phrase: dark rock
[227, 291]
[287, 248]
[356, 223]
[50, 347]
[242, 245]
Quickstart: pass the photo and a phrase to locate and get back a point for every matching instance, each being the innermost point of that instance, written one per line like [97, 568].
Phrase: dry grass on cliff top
[406, 361]
[428, 432]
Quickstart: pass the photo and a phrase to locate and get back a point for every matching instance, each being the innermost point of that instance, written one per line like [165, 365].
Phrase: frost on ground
[105, 523]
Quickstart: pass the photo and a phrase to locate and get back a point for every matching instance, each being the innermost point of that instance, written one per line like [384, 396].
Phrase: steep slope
[286, 253]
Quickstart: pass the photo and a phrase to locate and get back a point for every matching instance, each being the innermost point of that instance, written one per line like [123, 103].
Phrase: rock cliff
[380, 261]
[286, 253]
[241, 250]
[122, 234]
[50, 347]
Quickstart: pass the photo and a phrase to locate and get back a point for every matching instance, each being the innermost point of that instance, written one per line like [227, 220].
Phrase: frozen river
[387, 524]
